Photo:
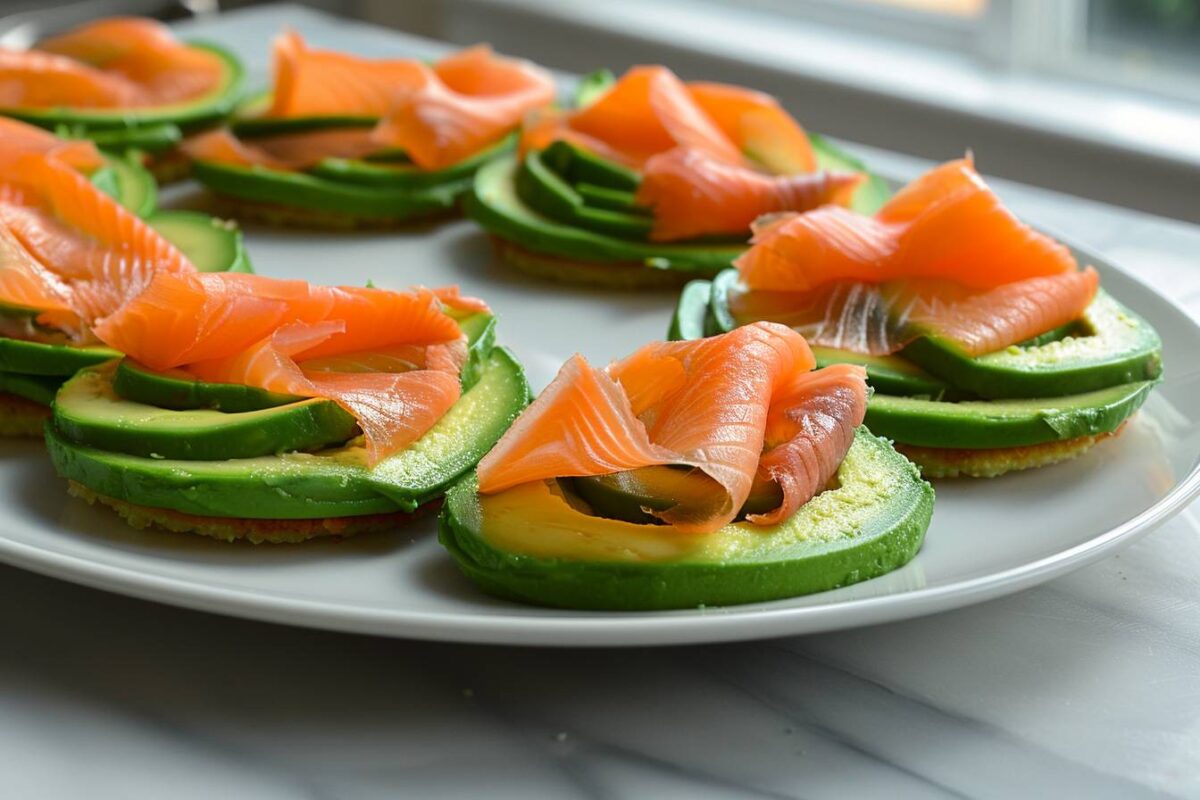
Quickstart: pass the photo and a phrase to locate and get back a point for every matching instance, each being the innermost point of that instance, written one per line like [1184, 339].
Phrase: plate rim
[622, 629]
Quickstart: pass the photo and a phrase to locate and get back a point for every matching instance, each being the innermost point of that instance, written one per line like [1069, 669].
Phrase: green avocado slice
[691, 312]
[1116, 347]
[315, 193]
[329, 483]
[89, 412]
[206, 110]
[129, 183]
[406, 174]
[211, 244]
[39, 389]
[547, 193]
[530, 544]
[984, 424]
[61, 360]
[494, 204]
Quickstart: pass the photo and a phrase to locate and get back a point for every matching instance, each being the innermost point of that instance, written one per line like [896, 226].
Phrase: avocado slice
[591, 86]
[395, 173]
[39, 389]
[495, 205]
[981, 424]
[334, 482]
[547, 193]
[129, 183]
[577, 166]
[611, 199]
[190, 115]
[153, 139]
[691, 312]
[872, 194]
[211, 244]
[632, 494]
[1116, 346]
[88, 411]
[532, 545]
[317, 194]
[61, 360]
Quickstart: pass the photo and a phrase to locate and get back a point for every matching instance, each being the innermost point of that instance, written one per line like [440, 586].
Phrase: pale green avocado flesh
[552, 551]
[332, 482]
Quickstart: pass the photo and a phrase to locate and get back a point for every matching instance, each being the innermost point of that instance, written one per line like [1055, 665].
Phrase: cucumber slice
[530, 544]
[211, 244]
[87, 411]
[329, 483]
[1116, 347]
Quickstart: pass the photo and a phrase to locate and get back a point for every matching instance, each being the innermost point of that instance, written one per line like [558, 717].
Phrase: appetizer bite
[651, 181]
[126, 83]
[348, 142]
[69, 251]
[278, 411]
[720, 471]
[988, 347]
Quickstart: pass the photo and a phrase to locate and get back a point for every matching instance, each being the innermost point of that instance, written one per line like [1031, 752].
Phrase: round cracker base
[21, 418]
[256, 531]
[950, 463]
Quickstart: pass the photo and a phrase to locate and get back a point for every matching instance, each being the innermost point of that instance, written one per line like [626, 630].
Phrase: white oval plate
[988, 538]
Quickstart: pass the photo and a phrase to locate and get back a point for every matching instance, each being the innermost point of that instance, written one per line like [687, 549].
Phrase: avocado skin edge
[623, 586]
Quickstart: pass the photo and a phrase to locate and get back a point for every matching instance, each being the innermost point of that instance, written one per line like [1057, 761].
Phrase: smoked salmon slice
[693, 194]
[313, 341]
[121, 62]
[439, 115]
[731, 406]
[473, 101]
[713, 157]
[69, 250]
[943, 256]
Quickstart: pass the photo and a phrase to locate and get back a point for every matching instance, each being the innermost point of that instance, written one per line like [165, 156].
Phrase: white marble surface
[1084, 687]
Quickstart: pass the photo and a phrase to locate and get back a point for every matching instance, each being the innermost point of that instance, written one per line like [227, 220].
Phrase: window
[1147, 45]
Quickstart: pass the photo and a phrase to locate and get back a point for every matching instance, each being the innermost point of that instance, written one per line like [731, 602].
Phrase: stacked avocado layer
[381, 190]
[542, 543]
[235, 462]
[33, 365]
[566, 214]
[1028, 405]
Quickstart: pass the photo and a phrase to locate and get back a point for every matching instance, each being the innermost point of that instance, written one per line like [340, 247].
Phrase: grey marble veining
[1084, 687]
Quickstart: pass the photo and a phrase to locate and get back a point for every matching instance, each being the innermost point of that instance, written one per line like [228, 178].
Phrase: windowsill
[807, 61]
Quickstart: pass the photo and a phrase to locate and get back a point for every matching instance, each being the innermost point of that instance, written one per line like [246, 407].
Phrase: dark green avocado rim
[893, 537]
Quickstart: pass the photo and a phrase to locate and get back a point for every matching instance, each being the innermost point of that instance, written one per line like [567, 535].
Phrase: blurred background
[1098, 98]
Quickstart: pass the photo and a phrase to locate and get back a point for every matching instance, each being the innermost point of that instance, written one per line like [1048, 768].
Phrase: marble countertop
[1083, 687]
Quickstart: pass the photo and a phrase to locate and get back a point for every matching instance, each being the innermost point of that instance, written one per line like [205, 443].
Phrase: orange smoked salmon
[439, 115]
[944, 255]
[69, 250]
[713, 157]
[121, 62]
[312, 341]
[734, 406]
